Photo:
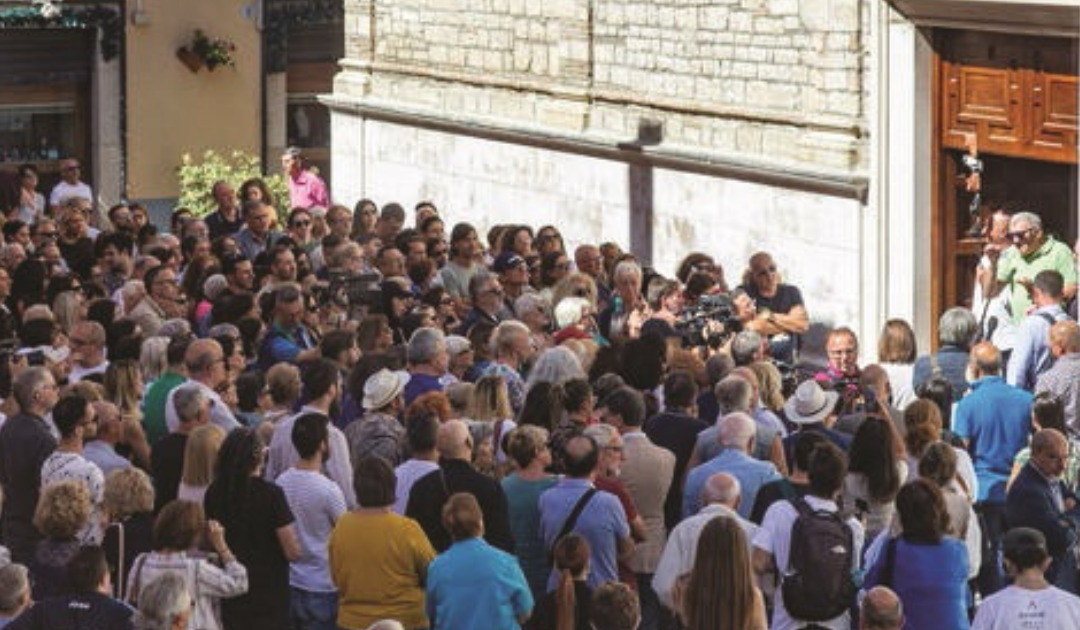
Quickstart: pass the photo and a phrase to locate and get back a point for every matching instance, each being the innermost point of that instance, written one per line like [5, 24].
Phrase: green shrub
[198, 177]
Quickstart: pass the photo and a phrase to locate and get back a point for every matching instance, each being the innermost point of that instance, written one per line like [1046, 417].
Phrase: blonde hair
[123, 386]
[65, 307]
[128, 491]
[490, 400]
[63, 509]
[200, 454]
[153, 359]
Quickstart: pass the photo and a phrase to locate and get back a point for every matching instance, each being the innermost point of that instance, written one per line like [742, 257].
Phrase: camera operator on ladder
[781, 316]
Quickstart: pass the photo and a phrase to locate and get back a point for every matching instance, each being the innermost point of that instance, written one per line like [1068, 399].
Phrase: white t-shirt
[1016, 608]
[63, 190]
[317, 504]
[775, 538]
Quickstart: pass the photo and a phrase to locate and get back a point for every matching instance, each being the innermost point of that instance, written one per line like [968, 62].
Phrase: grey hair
[479, 280]
[626, 268]
[530, 301]
[506, 333]
[734, 393]
[14, 583]
[735, 429]
[424, 345]
[556, 366]
[745, 346]
[188, 401]
[176, 327]
[957, 327]
[721, 488]
[602, 433]
[1030, 218]
[161, 602]
[386, 624]
[569, 309]
[27, 383]
[223, 330]
[153, 358]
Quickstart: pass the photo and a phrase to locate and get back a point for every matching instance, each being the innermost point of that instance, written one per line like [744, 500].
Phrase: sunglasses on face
[301, 224]
[1020, 235]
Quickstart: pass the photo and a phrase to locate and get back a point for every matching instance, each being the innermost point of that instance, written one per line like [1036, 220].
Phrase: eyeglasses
[1020, 235]
[48, 234]
[766, 271]
[302, 224]
[73, 167]
[493, 291]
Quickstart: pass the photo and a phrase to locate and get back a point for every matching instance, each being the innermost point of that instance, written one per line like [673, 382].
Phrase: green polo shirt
[154, 405]
[1053, 255]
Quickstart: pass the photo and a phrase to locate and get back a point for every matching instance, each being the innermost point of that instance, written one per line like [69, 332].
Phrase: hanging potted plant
[212, 53]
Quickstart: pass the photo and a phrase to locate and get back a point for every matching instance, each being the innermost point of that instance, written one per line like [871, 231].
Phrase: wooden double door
[1015, 98]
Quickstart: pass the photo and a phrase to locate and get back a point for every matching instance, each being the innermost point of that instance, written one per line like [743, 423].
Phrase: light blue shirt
[602, 523]
[1031, 350]
[474, 586]
[751, 473]
[995, 419]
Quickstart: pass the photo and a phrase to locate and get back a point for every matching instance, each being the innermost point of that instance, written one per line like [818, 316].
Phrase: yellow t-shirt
[379, 563]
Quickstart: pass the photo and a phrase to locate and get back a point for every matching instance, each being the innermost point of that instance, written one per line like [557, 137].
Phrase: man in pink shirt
[306, 189]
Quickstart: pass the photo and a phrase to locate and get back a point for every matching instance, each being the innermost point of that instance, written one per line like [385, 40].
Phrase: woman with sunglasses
[300, 229]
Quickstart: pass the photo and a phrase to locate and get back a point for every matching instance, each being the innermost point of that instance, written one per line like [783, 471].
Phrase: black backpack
[818, 585]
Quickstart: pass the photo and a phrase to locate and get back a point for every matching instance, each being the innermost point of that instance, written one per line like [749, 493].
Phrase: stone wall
[763, 80]
[522, 111]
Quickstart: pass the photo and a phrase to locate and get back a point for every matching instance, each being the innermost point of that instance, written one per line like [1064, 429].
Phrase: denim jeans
[992, 520]
[313, 611]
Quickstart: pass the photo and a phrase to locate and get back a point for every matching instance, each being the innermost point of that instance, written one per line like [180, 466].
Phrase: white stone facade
[801, 127]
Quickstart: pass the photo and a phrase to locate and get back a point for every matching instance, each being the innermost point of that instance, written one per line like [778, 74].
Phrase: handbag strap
[579, 507]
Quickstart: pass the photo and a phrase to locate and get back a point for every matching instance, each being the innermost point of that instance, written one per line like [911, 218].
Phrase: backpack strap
[1047, 317]
[133, 586]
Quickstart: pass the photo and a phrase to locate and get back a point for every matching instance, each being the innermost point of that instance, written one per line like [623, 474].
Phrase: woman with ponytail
[567, 607]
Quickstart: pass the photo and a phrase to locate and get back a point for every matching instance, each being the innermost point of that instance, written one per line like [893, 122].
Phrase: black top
[428, 495]
[167, 467]
[25, 444]
[49, 567]
[544, 617]
[79, 255]
[138, 531]
[677, 432]
[251, 530]
[786, 298]
[776, 491]
[217, 226]
[81, 611]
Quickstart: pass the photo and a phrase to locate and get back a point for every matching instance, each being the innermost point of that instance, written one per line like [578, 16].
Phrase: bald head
[737, 431]
[1065, 337]
[722, 488]
[985, 359]
[881, 610]
[200, 360]
[454, 441]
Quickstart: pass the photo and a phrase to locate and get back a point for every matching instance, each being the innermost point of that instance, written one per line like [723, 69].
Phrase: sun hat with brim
[810, 404]
[382, 387]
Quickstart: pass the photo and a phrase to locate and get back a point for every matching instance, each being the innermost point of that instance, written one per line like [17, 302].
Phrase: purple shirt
[307, 190]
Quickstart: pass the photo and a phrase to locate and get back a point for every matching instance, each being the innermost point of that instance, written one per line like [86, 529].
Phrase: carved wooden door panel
[1054, 116]
[984, 102]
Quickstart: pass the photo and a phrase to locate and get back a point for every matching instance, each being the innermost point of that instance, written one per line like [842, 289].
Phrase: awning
[1051, 18]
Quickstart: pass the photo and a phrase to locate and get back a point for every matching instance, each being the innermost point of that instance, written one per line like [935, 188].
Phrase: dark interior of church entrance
[1014, 100]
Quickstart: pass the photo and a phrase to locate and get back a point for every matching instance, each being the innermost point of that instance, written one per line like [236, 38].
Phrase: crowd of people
[350, 418]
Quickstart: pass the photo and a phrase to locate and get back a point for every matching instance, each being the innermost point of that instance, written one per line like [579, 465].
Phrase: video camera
[350, 291]
[711, 321]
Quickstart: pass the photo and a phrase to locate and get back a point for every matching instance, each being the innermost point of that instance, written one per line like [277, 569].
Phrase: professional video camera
[350, 291]
[711, 321]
